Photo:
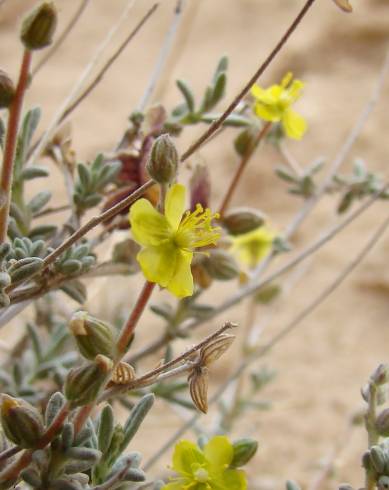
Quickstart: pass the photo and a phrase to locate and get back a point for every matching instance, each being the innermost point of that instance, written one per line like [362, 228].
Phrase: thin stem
[8, 453]
[129, 326]
[372, 434]
[82, 416]
[218, 122]
[107, 65]
[10, 144]
[61, 38]
[92, 223]
[241, 168]
[295, 322]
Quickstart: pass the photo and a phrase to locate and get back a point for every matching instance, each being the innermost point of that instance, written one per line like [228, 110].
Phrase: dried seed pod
[198, 387]
[123, 374]
[344, 5]
[215, 349]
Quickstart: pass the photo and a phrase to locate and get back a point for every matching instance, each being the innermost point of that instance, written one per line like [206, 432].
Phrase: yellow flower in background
[170, 239]
[207, 469]
[253, 246]
[274, 104]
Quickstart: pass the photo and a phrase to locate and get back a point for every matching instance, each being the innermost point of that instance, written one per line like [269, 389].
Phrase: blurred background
[322, 365]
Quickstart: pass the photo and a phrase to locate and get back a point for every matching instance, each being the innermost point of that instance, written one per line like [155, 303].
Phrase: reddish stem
[129, 327]
[10, 144]
[81, 417]
[242, 165]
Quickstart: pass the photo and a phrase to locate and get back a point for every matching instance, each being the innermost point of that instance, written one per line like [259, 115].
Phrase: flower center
[196, 229]
[201, 475]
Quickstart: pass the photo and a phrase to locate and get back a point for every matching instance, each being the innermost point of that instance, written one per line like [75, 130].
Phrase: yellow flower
[253, 246]
[170, 239]
[274, 104]
[207, 469]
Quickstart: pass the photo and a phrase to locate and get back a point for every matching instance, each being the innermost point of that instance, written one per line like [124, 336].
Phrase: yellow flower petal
[175, 485]
[268, 112]
[234, 480]
[253, 246]
[148, 226]
[181, 283]
[257, 91]
[175, 205]
[219, 452]
[186, 453]
[158, 263]
[294, 91]
[294, 124]
[287, 79]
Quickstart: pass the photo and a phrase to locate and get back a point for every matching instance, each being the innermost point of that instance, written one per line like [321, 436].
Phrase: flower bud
[242, 220]
[200, 187]
[221, 265]
[163, 161]
[245, 141]
[7, 90]
[244, 450]
[39, 26]
[21, 422]
[366, 461]
[93, 337]
[377, 458]
[83, 384]
[381, 374]
[382, 423]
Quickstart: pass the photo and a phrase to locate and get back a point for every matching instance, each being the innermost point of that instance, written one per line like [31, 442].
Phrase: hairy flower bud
[221, 265]
[382, 423]
[83, 384]
[381, 374]
[244, 450]
[39, 26]
[242, 220]
[21, 422]
[245, 141]
[163, 161]
[7, 90]
[93, 336]
[200, 187]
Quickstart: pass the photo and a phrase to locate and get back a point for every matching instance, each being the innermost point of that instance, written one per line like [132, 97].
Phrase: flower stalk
[10, 143]
[241, 168]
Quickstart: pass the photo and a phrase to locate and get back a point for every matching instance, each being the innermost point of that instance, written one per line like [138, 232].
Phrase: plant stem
[129, 326]
[242, 166]
[10, 144]
[372, 434]
[218, 122]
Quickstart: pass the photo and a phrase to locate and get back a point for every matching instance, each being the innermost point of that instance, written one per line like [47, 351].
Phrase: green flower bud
[244, 450]
[377, 458]
[381, 374]
[163, 161]
[5, 280]
[382, 423]
[242, 220]
[7, 90]
[21, 422]
[83, 384]
[93, 337]
[366, 461]
[221, 265]
[39, 26]
[245, 141]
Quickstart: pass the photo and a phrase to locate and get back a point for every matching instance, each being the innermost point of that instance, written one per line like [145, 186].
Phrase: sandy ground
[323, 364]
